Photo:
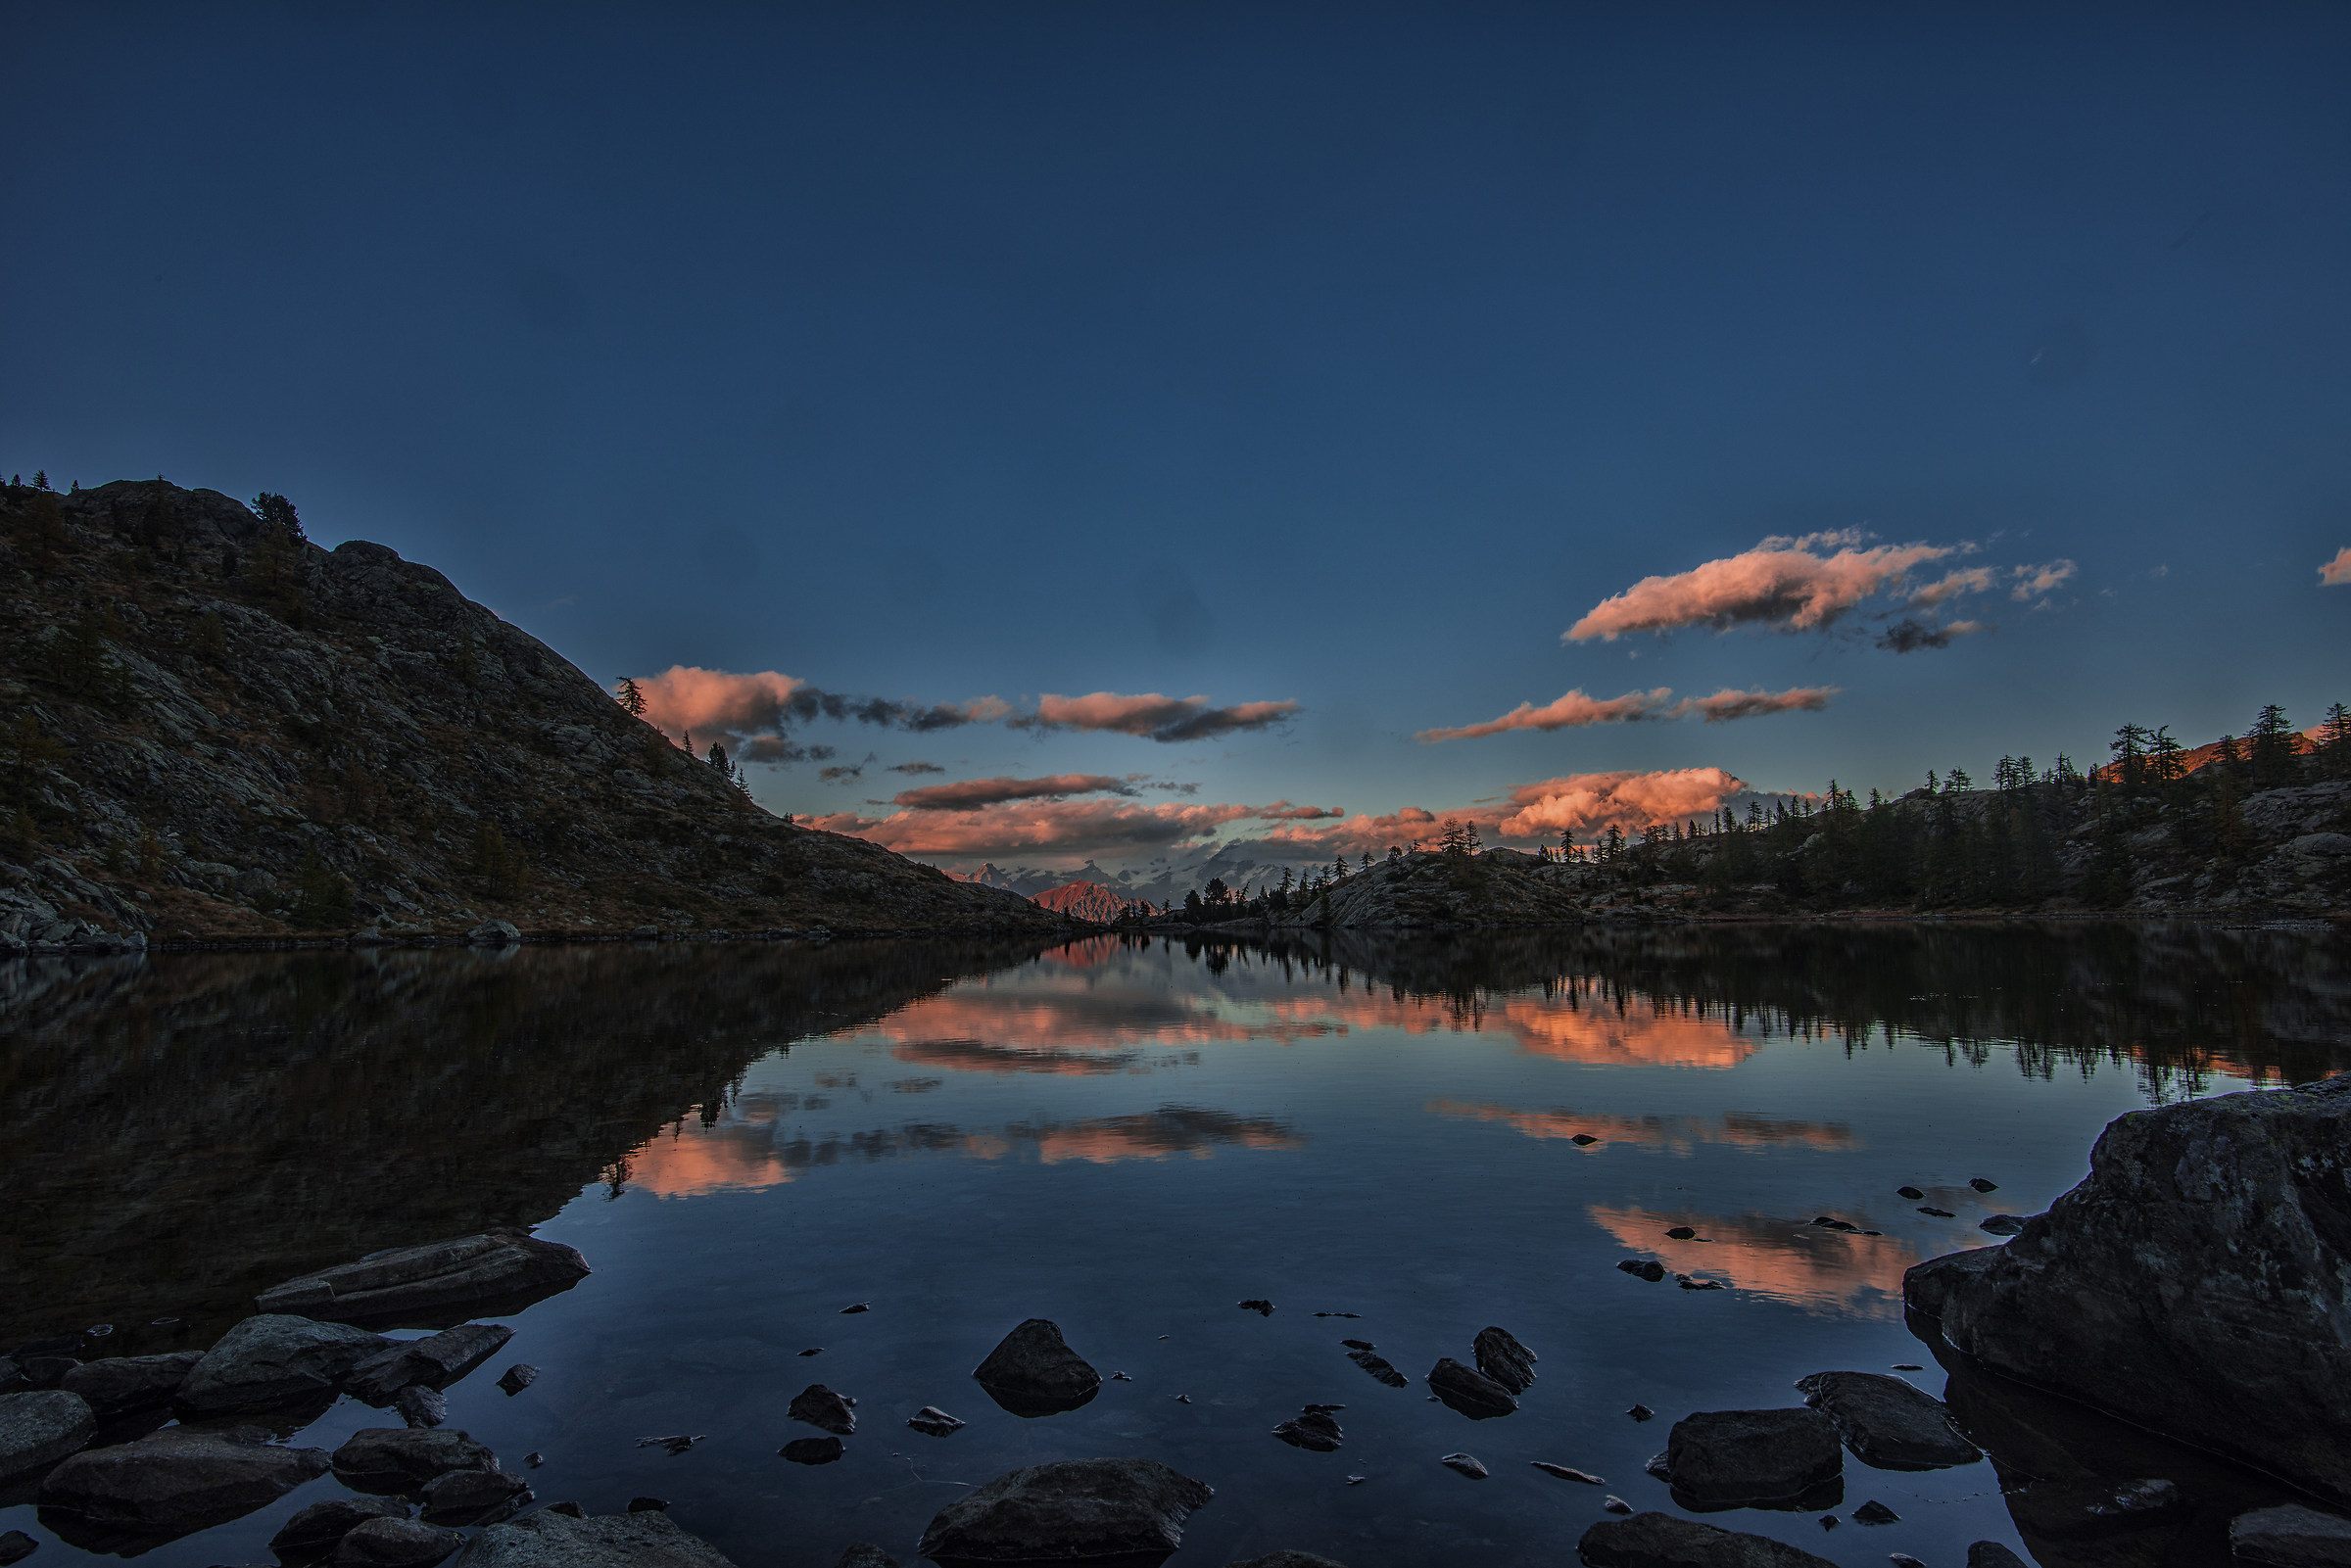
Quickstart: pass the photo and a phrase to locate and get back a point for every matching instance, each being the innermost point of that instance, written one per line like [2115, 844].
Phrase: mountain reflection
[1676, 1134]
[1820, 1270]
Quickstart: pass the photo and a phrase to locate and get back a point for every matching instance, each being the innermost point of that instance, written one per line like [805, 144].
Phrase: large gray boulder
[1662, 1540]
[121, 1383]
[177, 1480]
[435, 1362]
[1784, 1458]
[40, 1427]
[507, 1268]
[2197, 1282]
[1887, 1422]
[1034, 1371]
[403, 1461]
[2290, 1536]
[1068, 1511]
[274, 1360]
[551, 1540]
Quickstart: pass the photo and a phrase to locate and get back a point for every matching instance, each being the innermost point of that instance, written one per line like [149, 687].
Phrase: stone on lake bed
[1648, 1268]
[821, 1407]
[419, 1406]
[813, 1451]
[1911, 1193]
[505, 1265]
[551, 1540]
[1981, 1185]
[435, 1361]
[314, 1532]
[41, 1427]
[1314, 1429]
[391, 1459]
[2289, 1536]
[1034, 1372]
[1067, 1511]
[1887, 1422]
[1753, 1458]
[275, 1358]
[396, 1544]
[122, 1383]
[1468, 1390]
[1662, 1540]
[932, 1421]
[177, 1480]
[1933, 1212]
[1503, 1358]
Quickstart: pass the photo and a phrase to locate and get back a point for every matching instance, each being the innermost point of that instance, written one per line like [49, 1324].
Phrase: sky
[1551, 414]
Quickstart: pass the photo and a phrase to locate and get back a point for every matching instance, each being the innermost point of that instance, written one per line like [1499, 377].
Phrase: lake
[1131, 1138]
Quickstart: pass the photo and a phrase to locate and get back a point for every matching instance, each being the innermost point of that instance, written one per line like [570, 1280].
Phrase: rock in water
[510, 1268]
[551, 1540]
[1755, 1458]
[1887, 1422]
[1067, 1511]
[404, 1460]
[1379, 1367]
[1992, 1554]
[1648, 1268]
[419, 1406]
[123, 1383]
[2289, 1536]
[435, 1362]
[514, 1379]
[865, 1555]
[396, 1544]
[2001, 1225]
[275, 1358]
[475, 1496]
[812, 1450]
[1469, 1464]
[40, 1427]
[314, 1533]
[2077, 1510]
[823, 1409]
[933, 1422]
[1286, 1559]
[1473, 1393]
[2192, 1284]
[1316, 1429]
[15, 1547]
[176, 1481]
[1874, 1513]
[1662, 1540]
[1568, 1473]
[1504, 1360]
[1034, 1372]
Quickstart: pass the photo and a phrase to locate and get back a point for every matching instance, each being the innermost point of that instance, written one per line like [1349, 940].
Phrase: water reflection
[1676, 1134]
[1785, 1259]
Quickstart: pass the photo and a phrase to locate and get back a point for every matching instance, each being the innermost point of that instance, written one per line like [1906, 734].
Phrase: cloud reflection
[1678, 1135]
[1822, 1271]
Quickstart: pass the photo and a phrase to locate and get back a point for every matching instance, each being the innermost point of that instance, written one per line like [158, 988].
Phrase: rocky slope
[1082, 901]
[216, 729]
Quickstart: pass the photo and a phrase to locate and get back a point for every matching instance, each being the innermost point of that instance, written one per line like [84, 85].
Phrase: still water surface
[1129, 1139]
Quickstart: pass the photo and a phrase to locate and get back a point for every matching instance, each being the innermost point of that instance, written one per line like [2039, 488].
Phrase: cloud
[846, 770]
[1159, 718]
[1583, 801]
[970, 793]
[1730, 703]
[2036, 582]
[911, 768]
[1283, 811]
[1784, 583]
[1569, 712]
[2336, 572]
[1971, 580]
[1909, 635]
[752, 711]
[1045, 827]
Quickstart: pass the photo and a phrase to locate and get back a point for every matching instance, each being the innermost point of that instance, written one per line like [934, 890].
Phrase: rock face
[396, 1544]
[403, 1461]
[1504, 1360]
[1887, 1422]
[1034, 1371]
[551, 1540]
[177, 1481]
[435, 1361]
[1473, 1393]
[1662, 1540]
[1068, 1511]
[2290, 1536]
[312, 1533]
[2195, 1283]
[121, 1383]
[274, 1360]
[1753, 1460]
[40, 1427]
[507, 1268]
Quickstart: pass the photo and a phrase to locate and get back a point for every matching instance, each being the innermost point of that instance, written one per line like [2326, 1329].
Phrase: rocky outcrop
[1034, 1372]
[1071, 1512]
[176, 1481]
[273, 1359]
[1753, 1460]
[551, 1540]
[2195, 1283]
[40, 1427]
[503, 1268]
[1888, 1423]
[1662, 1540]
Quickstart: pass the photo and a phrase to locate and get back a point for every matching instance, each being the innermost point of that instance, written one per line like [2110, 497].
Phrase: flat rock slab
[1503, 1358]
[43, 1427]
[1068, 1511]
[2192, 1284]
[1887, 1422]
[1662, 1540]
[405, 1461]
[275, 1358]
[121, 1383]
[1034, 1371]
[1752, 1458]
[551, 1540]
[1470, 1391]
[509, 1267]
[314, 1533]
[435, 1361]
[2290, 1536]
[397, 1544]
[177, 1481]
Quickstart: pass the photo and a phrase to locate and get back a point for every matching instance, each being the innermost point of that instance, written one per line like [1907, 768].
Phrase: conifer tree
[631, 698]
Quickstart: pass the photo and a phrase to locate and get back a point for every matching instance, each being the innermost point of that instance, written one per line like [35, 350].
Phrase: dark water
[1129, 1140]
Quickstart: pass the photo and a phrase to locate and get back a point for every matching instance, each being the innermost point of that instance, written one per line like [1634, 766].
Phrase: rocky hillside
[210, 728]
[1084, 901]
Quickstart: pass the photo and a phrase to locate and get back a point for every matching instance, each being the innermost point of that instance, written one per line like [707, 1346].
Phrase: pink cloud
[1046, 826]
[1582, 802]
[1569, 712]
[684, 698]
[2336, 572]
[2034, 582]
[1731, 703]
[974, 793]
[1782, 582]
[1971, 580]
[1160, 718]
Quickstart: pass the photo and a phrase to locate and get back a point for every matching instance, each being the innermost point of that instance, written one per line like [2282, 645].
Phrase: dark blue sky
[1338, 355]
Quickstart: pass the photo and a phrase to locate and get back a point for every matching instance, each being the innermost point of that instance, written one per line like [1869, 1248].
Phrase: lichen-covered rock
[43, 1426]
[2193, 1284]
[1887, 1422]
[1067, 1511]
[551, 1540]
[275, 1358]
[504, 1266]
[1753, 1458]
[1033, 1371]
[177, 1480]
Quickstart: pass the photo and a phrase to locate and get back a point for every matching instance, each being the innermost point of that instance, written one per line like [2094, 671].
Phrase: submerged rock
[1316, 1429]
[435, 1361]
[1469, 1464]
[551, 1540]
[2192, 1284]
[1472, 1393]
[1874, 1513]
[1568, 1473]
[821, 1407]
[2076, 1510]
[812, 1450]
[1887, 1422]
[2002, 1224]
[1503, 1358]
[1067, 1511]
[507, 1266]
[41, 1427]
[1784, 1458]
[933, 1422]
[396, 1544]
[403, 1460]
[122, 1383]
[15, 1546]
[1034, 1372]
[275, 1358]
[1662, 1540]
[2289, 1536]
[1648, 1268]
[1379, 1366]
[314, 1533]
[177, 1480]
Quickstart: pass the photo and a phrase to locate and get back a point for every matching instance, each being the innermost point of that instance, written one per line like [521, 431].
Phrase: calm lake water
[1131, 1138]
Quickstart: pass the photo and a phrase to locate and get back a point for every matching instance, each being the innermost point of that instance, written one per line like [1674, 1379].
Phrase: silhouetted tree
[631, 698]
[278, 512]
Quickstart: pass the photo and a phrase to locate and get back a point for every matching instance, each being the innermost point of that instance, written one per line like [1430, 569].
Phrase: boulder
[865, 1555]
[1286, 1559]
[396, 1544]
[473, 1497]
[1034, 1371]
[514, 1379]
[400, 1460]
[273, 1359]
[314, 1533]
[1785, 1459]
[2083, 1510]
[435, 1362]
[15, 1545]
[2192, 1284]
[1471, 1392]
[1068, 1511]
[177, 1480]
[494, 934]
[1314, 1429]
[1504, 1360]
[1662, 1540]
[823, 1409]
[2289, 1536]
[551, 1540]
[41, 1427]
[933, 1422]
[1887, 1422]
[121, 1383]
[509, 1267]
[419, 1406]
